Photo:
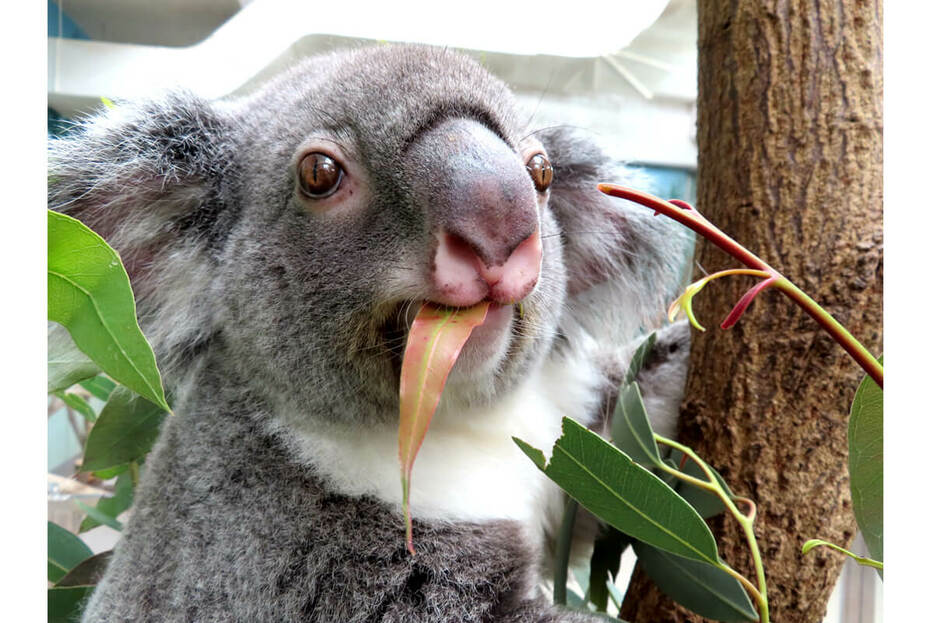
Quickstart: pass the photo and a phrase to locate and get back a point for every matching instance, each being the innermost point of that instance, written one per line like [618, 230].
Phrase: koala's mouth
[485, 350]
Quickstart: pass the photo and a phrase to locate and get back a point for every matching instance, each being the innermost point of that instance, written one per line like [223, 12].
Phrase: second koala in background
[280, 244]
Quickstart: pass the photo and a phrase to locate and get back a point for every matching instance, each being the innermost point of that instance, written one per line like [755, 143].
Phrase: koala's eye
[319, 175]
[540, 170]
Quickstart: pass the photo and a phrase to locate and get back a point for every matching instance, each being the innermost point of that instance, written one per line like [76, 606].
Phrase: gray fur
[663, 376]
[268, 320]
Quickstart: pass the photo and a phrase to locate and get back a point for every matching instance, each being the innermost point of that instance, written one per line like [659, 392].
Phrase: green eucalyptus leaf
[125, 431]
[79, 404]
[638, 358]
[537, 456]
[865, 463]
[111, 472]
[626, 495]
[604, 563]
[66, 603]
[89, 293]
[706, 590]
[88, 572]
[65, 551]
[99, 517]
[706, 503]
[111, 507]
[100, 387]
[631, 431]
[67, 364]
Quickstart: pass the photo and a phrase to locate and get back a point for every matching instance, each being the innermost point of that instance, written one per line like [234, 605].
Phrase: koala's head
[294, 233]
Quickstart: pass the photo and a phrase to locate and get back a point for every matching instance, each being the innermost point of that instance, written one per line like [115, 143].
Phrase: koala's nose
[482, 211]
[462, 278]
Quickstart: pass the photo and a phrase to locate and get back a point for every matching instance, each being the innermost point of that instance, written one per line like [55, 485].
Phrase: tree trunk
[790, 165]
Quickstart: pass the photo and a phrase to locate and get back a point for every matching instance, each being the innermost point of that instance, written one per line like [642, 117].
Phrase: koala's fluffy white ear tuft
[612, 248]
[143, 171]
[149, 178]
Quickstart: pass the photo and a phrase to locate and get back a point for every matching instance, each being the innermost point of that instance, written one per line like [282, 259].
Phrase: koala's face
[370, 183]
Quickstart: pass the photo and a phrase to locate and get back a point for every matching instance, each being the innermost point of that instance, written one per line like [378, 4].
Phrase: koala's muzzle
[482, 210]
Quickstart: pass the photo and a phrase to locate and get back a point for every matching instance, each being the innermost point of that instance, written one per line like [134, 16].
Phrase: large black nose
[482, 209]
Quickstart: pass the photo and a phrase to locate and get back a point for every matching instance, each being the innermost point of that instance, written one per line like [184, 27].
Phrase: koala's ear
[142, 172]
[149, 177]
[623, 263]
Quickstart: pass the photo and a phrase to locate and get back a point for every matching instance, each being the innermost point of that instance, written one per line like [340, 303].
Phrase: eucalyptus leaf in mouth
[434, 343]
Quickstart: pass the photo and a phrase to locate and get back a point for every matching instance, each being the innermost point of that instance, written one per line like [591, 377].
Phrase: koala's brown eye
[319, 175]
[540, 170]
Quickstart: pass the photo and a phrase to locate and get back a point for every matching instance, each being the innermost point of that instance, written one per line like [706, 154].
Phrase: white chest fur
[468, 468]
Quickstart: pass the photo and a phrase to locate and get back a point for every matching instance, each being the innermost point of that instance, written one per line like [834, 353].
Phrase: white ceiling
[644, 92]
[150, 22]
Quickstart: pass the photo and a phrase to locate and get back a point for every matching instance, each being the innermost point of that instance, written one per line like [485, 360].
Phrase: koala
[279, 244]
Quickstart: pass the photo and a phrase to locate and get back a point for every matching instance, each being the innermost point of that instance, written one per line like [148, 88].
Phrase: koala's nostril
[462, 279]
[516, 278]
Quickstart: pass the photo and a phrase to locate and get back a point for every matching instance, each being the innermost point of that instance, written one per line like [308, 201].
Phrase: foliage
[124, 432]
[624, 494]
[621, 483]
[865, 428]
[90, 295]
[689, 217]
[93, 332]
[65, 551]
[865, 461]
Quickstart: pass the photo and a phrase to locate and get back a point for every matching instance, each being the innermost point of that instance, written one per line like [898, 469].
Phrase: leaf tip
[537, 456]
[810, 544]
[693, 320]
[683, 303]
[744, 302]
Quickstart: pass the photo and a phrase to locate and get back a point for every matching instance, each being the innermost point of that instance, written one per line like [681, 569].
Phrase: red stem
[695, 221]
[745, 302]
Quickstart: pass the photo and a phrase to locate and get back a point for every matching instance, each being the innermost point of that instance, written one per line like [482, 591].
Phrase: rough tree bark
[790, 164]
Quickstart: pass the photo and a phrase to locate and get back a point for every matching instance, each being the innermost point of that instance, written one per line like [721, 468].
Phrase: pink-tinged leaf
[744, 302]
[683, 302]
[434, 343]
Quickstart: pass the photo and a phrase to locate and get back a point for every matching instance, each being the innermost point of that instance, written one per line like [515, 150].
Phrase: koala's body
[279, 245]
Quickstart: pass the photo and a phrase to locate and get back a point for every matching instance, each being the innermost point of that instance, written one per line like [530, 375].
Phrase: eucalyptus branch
[134, 473]
[563, 551]
[691, 218]
[80, 435]
[745, 521]
[750, 588]
[862, 560]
